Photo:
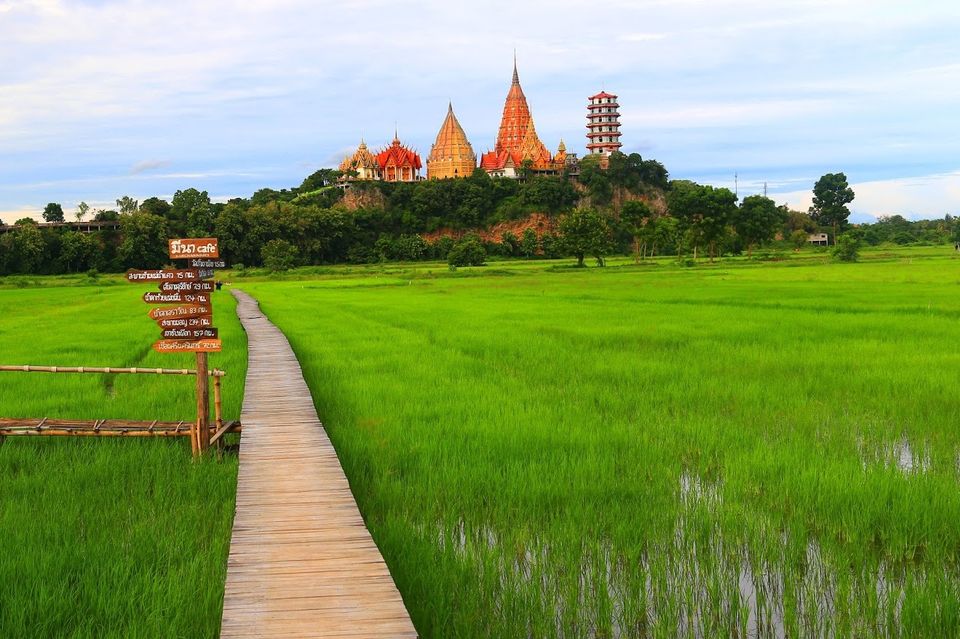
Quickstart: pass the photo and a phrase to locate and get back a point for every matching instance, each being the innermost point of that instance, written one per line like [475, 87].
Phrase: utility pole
[736, 185]
[764, 189]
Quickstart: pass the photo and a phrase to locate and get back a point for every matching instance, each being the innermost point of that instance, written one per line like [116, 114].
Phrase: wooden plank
[302, 562]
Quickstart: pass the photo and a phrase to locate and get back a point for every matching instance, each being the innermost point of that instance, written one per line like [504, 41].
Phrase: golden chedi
[451, 156]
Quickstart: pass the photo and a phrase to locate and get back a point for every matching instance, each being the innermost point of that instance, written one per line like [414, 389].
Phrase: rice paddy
[102, 537]
[732, 450]
[741, 449]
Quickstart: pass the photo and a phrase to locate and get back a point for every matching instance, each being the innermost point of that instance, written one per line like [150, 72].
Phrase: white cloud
[90, 89]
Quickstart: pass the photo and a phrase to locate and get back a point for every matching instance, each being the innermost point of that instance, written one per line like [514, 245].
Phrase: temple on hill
[363, 163]
[399, 163]
[451, 156]
[517, 141]
[394, 163]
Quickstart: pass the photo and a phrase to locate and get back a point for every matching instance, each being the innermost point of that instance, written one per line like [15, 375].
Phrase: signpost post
[186, 317]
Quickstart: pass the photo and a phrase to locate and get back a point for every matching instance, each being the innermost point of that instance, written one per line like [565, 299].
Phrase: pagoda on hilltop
[451, 156]
[603, 125]
[362, 162]
[517, 141]
[399, 163]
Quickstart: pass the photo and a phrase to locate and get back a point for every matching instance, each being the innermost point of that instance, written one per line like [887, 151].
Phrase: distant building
[451, 156]
[603, 124]
[819, 239]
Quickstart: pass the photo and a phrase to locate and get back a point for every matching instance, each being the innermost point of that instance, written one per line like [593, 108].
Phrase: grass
[103, 537]
[649, 450]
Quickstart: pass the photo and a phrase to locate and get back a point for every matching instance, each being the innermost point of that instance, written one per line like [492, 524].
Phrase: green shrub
[468, 251]
[847, 248]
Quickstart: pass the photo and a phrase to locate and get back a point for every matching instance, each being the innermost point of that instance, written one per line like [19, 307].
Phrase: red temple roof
[398, 155]
[602, 94]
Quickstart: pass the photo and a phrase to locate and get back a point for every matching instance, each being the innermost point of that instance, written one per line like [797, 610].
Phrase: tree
[831, 194]
[585, 232]
[529, 244]
[637, 219]
[279, 255]
[144, 240]
[53, 212]
[704, 211]
[847, 248]
[127, 205]
[27, 248]
[190, 213]
[77, 251]
[82, 209]
[468, 251]
[756, 221]
[156, 206]
[799, 239]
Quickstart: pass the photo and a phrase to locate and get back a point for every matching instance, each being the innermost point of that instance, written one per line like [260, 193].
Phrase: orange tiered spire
[517, 140]
[451, 155]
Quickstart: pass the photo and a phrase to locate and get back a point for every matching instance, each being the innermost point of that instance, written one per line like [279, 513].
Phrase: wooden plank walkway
[302, 563]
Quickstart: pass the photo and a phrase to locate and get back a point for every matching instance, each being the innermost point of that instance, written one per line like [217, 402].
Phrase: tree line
[628, 206]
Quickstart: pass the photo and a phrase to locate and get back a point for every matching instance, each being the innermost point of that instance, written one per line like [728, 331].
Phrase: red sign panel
[169, 275]
[176, 298]
[193, 247]
[202, 321]
[175, 312]
[177, 346]
[187, 287]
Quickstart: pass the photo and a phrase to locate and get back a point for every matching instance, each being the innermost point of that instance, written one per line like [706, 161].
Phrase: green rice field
[103, 537]
[717, 451]
[739, 449]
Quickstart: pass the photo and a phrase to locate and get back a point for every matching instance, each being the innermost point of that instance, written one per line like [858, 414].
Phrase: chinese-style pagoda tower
[451, 155]
[399, 163]
[363, 163]
[517, 140]
[603, 124]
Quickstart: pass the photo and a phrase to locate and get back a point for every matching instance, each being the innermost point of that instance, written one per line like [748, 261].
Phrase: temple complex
[451, 156]
[517, 147]
[517, 141]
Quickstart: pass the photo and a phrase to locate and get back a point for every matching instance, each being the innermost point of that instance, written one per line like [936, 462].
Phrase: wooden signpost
[187, 325]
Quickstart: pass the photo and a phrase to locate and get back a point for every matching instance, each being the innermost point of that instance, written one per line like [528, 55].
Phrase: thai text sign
[167, 275]
[177, 346]
[186, 287]
[172, 312]
[176, 298]
[202, 321]
[193, 247]
[202, 263]
[190, 334]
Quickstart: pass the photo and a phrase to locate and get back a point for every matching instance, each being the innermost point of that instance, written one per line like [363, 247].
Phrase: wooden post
[217, 411]
[203, 406]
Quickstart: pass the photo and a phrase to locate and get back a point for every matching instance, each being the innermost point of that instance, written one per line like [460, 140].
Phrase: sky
[104, 98]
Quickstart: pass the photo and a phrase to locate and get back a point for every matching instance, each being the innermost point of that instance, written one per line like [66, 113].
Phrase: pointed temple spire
[451, 155]
[516, 76]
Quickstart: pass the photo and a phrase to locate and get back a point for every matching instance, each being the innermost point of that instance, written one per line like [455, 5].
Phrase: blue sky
[105, 98]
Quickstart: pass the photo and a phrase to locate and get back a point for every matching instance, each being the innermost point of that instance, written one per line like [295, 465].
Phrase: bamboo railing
[202, 434]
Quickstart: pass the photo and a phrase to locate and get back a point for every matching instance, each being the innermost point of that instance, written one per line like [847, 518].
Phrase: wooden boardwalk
[302, 563]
